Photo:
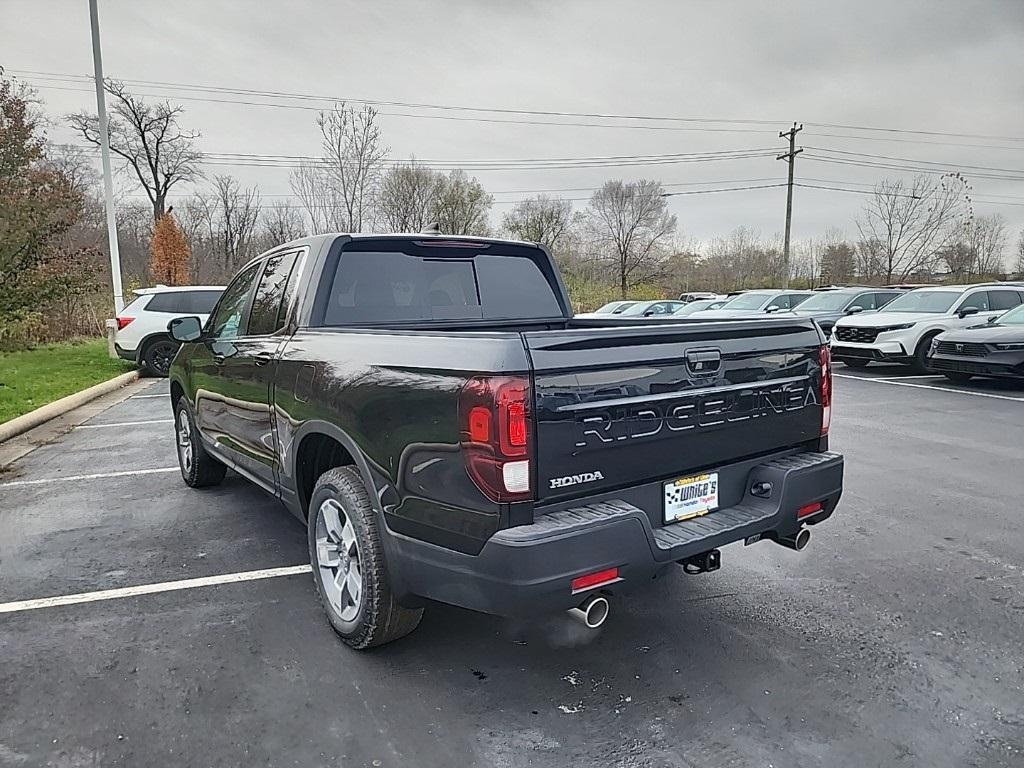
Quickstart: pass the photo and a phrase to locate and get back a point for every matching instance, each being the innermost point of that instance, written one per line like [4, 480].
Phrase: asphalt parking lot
[895, 639]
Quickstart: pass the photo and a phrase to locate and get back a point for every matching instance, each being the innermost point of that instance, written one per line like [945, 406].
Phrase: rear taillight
[123, 322]
[825, 358]
[494, 419]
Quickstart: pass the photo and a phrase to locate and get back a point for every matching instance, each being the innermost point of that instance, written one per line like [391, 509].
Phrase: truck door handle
[263, 358]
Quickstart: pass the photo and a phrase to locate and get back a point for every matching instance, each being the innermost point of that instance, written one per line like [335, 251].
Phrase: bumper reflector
[809, 509]
[597, 579]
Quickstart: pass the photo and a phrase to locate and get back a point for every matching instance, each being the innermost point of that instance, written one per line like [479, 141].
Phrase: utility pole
[789, 157]
[108, 182]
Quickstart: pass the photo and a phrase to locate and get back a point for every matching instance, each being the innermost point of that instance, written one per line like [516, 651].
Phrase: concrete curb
[41, 415]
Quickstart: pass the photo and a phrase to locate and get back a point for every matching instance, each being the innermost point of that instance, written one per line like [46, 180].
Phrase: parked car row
[904, 330]
[960, 331]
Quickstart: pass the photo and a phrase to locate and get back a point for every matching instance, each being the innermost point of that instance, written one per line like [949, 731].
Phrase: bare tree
[462, 206]
[230, 214]
[1019, 266]
[148, 138]
[988, 237]
[134, 232]
[408, 197]
[323, 201]
[280, 223]
[631, 223]
[912, 222]
[541, 220]
[353, 159]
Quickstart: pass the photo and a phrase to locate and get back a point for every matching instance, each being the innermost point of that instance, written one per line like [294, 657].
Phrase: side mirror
[185, 329]
[854, 310]
[966, 312]
[773, 308]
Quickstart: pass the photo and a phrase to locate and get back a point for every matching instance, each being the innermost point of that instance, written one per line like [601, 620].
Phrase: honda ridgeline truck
[431, 410]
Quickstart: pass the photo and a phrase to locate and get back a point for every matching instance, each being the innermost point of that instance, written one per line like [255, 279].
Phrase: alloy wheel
[337, 555]
[161, 357]
[184, 441]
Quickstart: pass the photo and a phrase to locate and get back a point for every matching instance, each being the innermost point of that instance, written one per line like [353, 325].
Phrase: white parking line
[136, 397]
[898, 377]
[928, 386]
[151, 589]
[125, 424]
[97, 476]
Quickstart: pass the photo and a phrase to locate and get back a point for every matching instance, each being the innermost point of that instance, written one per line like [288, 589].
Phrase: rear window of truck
[379, 282]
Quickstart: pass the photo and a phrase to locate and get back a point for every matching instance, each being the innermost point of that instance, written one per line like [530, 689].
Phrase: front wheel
[198, 468]
[920, 360]
[349, 571]
[957, 377]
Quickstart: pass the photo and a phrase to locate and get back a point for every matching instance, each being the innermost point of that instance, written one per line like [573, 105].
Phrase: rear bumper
[126, 354]
[527, 570]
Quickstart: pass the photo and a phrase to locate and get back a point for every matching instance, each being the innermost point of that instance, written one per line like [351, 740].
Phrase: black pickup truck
[429, 407]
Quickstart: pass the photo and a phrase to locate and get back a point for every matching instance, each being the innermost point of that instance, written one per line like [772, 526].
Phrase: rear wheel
[198, 468]
[349, 571]
[856, 362]
[157, 356]
[957, 377]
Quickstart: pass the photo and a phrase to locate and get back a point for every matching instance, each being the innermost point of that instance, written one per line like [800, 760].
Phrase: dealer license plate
[691, 497]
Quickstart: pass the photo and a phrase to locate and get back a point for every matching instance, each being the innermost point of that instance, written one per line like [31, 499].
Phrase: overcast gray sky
[936, 65]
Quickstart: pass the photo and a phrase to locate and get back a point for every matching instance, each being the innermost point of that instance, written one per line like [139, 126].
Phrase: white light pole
[108, 182]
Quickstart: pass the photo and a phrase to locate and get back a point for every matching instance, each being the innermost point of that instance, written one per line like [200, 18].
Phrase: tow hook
[705, 562]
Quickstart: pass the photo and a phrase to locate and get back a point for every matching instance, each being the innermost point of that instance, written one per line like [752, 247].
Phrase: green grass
[39, 376]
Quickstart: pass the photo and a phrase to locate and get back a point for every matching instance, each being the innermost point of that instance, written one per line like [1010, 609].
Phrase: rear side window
[388, 281]
[1003, 299]
[978, 300]
[865, 301]
[268, 305]
[183, 302]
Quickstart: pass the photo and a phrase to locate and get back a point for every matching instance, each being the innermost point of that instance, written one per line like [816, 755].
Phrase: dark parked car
[993, 349]
[828, 306]
[431, 410]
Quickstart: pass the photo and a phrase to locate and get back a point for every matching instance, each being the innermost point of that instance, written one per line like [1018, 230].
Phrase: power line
[912, 160]
[879, 129]
[70, 77]
[248, 92]
[908, 168]
[470, 164]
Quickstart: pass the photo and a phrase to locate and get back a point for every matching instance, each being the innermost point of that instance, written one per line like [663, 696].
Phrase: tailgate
[618, 406]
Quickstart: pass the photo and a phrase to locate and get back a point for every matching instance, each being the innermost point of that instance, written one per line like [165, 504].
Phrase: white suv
[903, 331]
[142, 325]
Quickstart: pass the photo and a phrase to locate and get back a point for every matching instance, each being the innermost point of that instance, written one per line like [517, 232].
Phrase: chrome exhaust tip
[592, 612]
[797, 541]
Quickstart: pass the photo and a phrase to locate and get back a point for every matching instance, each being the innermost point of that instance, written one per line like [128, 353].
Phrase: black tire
[957, 377]
[920, 360]
[377, 617]
[198, 468]
[856, 362]
[158, 354]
